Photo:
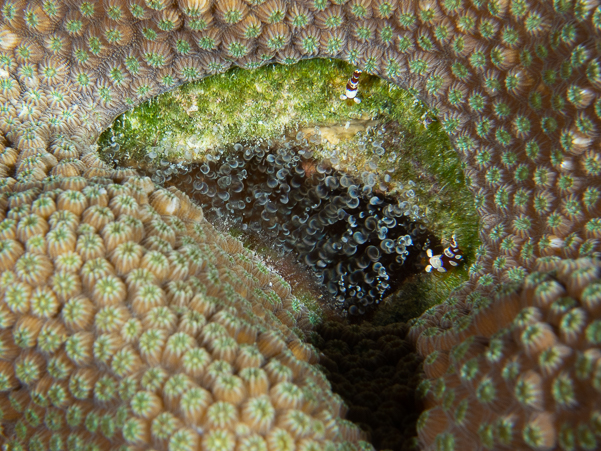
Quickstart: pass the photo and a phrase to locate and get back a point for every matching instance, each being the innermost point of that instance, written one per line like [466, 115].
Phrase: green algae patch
[241, 105]
[390, 135]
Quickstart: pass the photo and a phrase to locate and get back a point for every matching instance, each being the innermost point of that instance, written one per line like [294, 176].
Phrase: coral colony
[128, 322]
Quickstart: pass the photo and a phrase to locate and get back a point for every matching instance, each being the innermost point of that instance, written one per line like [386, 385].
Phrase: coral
[113, 292]
[515, 85]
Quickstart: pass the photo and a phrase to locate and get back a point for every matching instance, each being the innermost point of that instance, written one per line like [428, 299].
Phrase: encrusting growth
[88, 253]
[97, 297]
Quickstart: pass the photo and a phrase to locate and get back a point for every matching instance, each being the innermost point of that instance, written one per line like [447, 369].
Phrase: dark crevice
[376, 371]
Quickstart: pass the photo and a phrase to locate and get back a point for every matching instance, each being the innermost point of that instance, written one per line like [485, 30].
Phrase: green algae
[418, 161]
[417, 295]
[242, 105]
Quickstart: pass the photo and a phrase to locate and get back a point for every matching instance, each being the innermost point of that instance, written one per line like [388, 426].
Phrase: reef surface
[128, 321]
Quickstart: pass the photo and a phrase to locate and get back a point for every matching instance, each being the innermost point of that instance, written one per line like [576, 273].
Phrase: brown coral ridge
[519, 368]
[515, 84]
[129, 322]
[376, 371]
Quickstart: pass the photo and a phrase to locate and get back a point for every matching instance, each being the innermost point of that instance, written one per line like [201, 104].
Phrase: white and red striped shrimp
[351, 88]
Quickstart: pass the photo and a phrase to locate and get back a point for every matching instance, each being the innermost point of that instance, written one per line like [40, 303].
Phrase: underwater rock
[334, 134]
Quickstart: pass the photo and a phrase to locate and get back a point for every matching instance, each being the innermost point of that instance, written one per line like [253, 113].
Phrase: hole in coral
[358, 192]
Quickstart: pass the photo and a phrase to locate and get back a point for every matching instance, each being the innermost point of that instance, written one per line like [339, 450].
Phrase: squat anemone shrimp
[352, 87]
[450, 258]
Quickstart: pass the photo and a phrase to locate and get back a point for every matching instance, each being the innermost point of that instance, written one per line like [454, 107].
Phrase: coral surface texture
[128, 322]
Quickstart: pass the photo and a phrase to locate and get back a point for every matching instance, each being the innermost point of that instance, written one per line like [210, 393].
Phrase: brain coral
[126, 320]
